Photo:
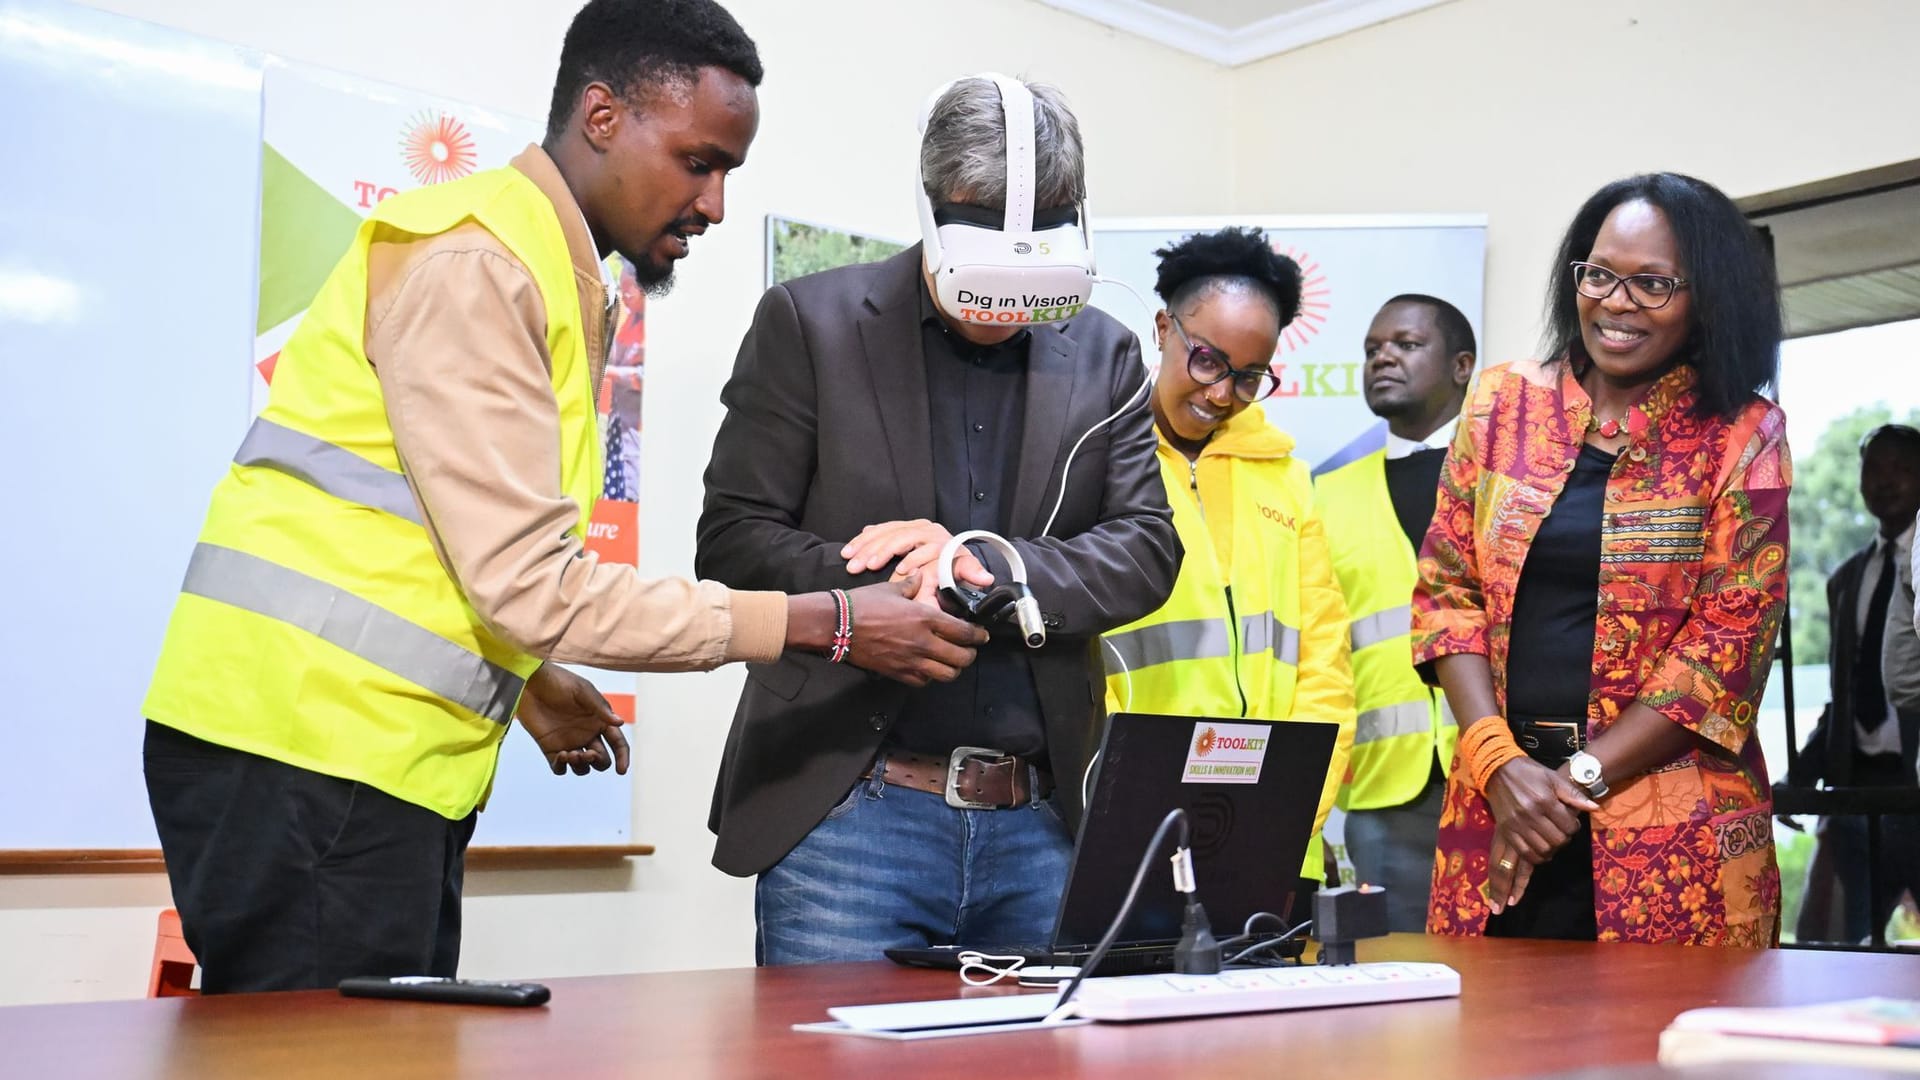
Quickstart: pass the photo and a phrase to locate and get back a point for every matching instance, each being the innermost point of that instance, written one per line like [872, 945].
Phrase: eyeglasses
[1206, 366]
[1650, 291]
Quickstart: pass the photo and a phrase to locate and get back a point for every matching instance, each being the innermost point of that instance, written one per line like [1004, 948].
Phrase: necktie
[1869, 692]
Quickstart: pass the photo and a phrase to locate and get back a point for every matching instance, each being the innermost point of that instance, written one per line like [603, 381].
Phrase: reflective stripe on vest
[319, 625]
[340, 473]
[1164, 643]
[1381, 626]
[1402, 726]
[1406, 718]
[1266, 633]
[366, 630]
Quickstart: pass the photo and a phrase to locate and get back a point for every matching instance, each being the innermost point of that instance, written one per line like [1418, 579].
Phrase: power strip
[1154, 997]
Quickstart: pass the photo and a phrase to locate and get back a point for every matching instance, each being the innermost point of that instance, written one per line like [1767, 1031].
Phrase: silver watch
[1584, 769]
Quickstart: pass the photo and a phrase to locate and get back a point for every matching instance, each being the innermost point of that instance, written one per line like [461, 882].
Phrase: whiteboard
[1350, 265]
[129, 200]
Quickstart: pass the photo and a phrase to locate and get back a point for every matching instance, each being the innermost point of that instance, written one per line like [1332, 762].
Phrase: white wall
[836, 145]
[1481, 106]
[1464, 107]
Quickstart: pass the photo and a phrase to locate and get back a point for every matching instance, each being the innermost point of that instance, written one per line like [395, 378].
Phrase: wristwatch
[1584, 769]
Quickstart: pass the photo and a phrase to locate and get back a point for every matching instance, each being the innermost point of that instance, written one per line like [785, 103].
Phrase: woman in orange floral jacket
[1602, 586]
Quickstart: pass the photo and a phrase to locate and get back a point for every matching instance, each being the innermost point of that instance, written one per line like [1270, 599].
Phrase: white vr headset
[1014, 268]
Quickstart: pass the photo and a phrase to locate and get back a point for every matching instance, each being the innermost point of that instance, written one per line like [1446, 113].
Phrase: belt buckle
[1576, 733]
[955, 762]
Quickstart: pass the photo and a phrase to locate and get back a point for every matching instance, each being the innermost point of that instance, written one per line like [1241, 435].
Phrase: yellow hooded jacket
[1256, 626]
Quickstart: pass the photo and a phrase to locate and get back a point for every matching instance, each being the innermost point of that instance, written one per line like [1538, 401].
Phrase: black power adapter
[1342, 916]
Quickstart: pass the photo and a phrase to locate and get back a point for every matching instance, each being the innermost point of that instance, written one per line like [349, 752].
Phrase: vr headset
[1014, 267]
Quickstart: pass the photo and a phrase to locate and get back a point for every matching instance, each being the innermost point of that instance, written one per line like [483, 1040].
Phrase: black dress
[1549, 679]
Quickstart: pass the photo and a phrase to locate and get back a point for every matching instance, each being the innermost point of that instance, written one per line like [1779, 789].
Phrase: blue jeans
[895, 867]
[1394, 847]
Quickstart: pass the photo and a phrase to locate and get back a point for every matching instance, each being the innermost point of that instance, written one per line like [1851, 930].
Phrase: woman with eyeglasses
[1255, 626]
[1602, 586]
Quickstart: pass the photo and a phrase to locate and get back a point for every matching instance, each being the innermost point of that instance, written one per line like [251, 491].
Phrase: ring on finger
[1506, 864]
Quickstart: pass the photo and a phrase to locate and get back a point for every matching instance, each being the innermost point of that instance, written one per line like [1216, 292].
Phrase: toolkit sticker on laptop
[1225, 753]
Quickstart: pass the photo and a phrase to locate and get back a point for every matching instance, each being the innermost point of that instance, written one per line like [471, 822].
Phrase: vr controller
[1004, 601]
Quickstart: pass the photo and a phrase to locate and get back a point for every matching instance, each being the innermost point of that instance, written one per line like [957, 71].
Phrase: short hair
[1902, 437]
[1232, 258]
[635, 46]
[1734, 325]
[1455, 331]
[964, 150]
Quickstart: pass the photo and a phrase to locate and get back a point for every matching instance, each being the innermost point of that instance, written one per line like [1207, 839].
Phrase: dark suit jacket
[1828, 753]
[827, 432]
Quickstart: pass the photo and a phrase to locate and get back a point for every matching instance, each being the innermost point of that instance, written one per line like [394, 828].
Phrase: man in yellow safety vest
[396, 555]
[1419, 359]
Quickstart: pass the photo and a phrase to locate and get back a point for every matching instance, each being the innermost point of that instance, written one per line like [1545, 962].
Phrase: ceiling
[1848, 252]
[1235, 32]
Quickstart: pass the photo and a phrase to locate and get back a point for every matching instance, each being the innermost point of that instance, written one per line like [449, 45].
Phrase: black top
[1555, 605]
[977, 404]
[1413, 483]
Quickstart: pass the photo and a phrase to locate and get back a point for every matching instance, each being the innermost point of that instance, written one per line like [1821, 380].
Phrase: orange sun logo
[437, 148]
[1204, 744]
[1316, 299]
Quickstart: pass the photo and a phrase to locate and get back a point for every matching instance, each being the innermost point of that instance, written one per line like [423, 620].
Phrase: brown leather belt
[971, 778]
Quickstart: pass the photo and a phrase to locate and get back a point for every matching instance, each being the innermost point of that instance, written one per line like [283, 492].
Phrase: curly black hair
[636, 45]
[1228, 259]
[1734, 327]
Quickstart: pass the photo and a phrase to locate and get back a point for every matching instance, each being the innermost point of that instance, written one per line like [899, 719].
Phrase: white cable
[1136, 292]
[1145, 383]
[985, 969]
[1117, 413]
[1126, 676]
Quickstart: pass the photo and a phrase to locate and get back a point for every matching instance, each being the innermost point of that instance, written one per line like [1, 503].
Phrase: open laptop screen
[1250, 789]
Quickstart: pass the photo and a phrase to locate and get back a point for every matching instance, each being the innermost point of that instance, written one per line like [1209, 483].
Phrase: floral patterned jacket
[1692, 589]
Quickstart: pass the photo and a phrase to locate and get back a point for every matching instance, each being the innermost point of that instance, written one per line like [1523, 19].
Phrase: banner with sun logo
[333, 146]
[1349, 267]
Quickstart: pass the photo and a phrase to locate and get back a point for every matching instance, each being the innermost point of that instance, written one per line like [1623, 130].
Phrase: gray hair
[963, 155]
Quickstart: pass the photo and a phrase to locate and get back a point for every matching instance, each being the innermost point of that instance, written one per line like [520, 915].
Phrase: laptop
[1250, 789]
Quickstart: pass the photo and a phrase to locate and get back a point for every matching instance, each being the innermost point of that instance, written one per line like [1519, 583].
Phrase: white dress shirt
[1884, 739]
[1398, 447]
[1913, 573]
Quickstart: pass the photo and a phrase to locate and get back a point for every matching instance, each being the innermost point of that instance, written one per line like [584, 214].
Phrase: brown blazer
[827, 432]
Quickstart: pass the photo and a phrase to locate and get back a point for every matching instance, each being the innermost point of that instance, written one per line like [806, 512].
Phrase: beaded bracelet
[842, 627]
[1486, 745]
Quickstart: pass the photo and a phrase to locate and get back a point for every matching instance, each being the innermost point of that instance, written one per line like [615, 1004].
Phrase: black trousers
[1559, 899]
[288, 879]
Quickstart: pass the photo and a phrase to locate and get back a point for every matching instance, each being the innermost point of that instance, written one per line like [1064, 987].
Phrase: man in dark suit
[865, 425]
[1863, 739]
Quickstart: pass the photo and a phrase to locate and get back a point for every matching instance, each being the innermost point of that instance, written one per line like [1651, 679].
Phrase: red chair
[173, 962]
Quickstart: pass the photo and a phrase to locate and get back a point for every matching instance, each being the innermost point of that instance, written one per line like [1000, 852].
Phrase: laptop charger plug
[1198, 952]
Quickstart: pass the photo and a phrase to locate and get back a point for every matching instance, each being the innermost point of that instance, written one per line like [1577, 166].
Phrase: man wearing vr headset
[874, 412]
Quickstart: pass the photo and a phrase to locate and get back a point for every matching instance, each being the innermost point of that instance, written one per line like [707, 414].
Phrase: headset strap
[1017, 102]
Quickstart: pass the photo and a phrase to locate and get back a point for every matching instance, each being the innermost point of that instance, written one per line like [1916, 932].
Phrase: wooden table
[1527, 1008]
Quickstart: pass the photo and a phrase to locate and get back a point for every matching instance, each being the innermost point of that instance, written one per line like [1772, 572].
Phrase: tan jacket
[456, 331]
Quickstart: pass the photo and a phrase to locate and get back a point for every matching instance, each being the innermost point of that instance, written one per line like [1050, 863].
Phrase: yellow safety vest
[1227, 641]
[1402, 723]
[316, 625]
